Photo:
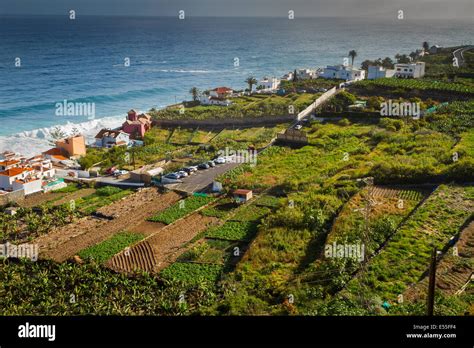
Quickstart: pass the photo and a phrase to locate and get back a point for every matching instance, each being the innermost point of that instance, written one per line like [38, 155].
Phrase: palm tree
[250, 81]
[426, 46]
[352, 54]
[195, 93]
[295, 78]
[56, 134]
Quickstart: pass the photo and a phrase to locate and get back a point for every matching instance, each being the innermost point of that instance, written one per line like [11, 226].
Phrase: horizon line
[386, 17]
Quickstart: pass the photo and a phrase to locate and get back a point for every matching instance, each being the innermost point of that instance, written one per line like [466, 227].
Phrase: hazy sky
[414, 9]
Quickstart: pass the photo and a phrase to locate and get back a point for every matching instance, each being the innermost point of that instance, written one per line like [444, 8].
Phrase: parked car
[230, 159]
[173, 176]
[111, 170]
[192, 169]
[211, 164]
[182, 174]
[219, 160]
[118, 173]
[203, 166]
[187, 170]
[298, 126]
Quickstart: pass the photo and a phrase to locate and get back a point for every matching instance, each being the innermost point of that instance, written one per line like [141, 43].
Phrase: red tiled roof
[108, 132]
[9, 162]
[222, 89]
[15, 171]
[241, 192]
[53, 151]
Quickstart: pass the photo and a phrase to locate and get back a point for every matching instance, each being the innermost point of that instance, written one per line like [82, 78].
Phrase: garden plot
[64, 242]
[406, 256]
[388, 209]
[162, 248]
[181, 209]
[192, 273]
[181, 136]
[202, 137]
[105, 250]
[453, 271]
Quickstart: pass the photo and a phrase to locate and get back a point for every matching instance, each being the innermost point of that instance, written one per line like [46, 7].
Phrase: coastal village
[236, 200]
[46, 172]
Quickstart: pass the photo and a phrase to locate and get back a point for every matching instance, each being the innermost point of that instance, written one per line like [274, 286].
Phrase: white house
[8, 156]
[43, 167]
[268, 84]
[379, 72]
[110, 138]
[7, 164]
[288, 76]
[342, 72]
[10, 176]
[221, 92]
[208, 100]
[28, 185]
[410, 70]
[306, 74]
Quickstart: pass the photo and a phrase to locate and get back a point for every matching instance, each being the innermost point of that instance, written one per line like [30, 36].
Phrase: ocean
[84, 60]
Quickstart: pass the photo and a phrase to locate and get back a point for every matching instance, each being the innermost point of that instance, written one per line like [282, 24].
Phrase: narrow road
[459, 54]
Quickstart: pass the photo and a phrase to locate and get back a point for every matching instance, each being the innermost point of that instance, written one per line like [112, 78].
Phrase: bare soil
[161, 248]
[65, 242]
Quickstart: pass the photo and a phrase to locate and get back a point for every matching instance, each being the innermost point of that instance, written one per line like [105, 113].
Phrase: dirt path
[162, 248]
[68, 240]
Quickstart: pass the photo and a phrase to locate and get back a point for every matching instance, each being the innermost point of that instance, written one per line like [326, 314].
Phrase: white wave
[34, 142]
[188, 71]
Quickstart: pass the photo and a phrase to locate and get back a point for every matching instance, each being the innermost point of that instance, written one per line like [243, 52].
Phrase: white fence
[323, 98]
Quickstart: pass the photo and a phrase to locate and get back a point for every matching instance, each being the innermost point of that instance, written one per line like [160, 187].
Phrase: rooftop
[15, 171]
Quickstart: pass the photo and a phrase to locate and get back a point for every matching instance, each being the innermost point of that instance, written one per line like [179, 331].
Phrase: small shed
[216, 187]
[242, 196]
[145, 174]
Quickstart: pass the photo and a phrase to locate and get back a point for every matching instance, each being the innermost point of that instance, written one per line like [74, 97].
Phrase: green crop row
[181, 209]
[192, 273]
[233, 230]
[103, 251]
[250, 213]
[417, 84]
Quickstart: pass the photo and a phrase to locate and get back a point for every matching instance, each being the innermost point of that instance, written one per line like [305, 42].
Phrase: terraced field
[138, 257]
[406, 256]
[65, 242]
[161, 248]
[181, 136]
[202, 137]
[389, 206]
[453, 271]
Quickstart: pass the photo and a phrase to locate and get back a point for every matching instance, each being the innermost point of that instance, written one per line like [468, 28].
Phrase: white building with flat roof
[288, 76]
[268, 84]
[410, 70]
[342, 72]
[306, 74]
[379, 72]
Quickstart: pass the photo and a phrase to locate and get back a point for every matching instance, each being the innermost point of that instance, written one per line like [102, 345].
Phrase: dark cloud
[275, 8]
